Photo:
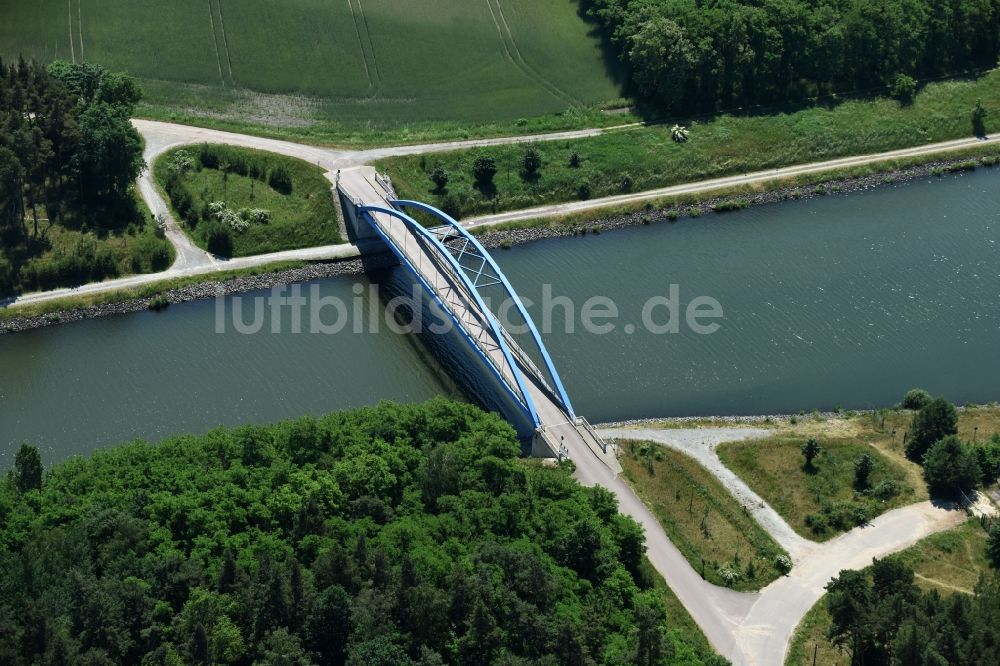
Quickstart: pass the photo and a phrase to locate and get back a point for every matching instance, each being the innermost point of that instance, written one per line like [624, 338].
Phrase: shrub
[729, 205]
[440, 178]
[484, 169]
[219, 240]
[583, 190]
[916, 399]
[181, 163]
[904, 89]
[626, 183]
[158, 303]
[159, 258]
[574, 160]
[783, 563]
[935, 421]
[885, 490]
[208, 157]
[863, 468]
[950, 468]
[280, 180]
[729, 576]
[531, 162]
[979, 120]
[679, 133]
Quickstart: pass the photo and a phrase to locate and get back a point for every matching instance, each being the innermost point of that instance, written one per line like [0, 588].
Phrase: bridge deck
[576, 439]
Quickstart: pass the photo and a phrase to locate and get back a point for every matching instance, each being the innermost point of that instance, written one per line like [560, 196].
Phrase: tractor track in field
[79, 26]
[373, 87]
[215, 41]
[514, 55]
[69, 25]
[371, 44]
[225, 43]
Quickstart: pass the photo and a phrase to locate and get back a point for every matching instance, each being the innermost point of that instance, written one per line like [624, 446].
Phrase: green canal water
[837, 301]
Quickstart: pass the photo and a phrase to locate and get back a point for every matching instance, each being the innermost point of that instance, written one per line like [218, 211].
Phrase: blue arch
[525, 398]
[450, 221]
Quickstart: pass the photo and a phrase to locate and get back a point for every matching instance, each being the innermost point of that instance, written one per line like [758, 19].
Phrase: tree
[27, 469]
[849, 602]
[219, 240]
[810, 450]
[110, 154]
[979, 115]
[574, 160]
[863, 467]
[935, 421]
[484, 169]
[904, 89]
[950, 468]
[439, 176]
[531, 162]
[119, 90]
[993, 544]
[916, 399]
[662, 59]
[279, 179]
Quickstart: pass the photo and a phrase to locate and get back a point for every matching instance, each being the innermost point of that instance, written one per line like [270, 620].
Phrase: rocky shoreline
[759, 419]
[832, 187]
[497, 239]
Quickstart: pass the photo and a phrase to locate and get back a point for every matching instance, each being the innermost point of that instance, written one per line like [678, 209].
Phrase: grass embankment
[716, 535]
[821, 183]
[949, 562]
[646, 157]
[300, 215]
[146, 291]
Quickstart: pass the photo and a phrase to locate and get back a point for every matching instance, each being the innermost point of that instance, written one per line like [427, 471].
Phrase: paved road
[700, 444]
[754, 629]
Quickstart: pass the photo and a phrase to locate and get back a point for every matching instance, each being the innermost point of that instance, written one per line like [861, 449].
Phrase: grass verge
[646, 158]
[820, 183]
[133, 293]
[686, 631]
[701, 517]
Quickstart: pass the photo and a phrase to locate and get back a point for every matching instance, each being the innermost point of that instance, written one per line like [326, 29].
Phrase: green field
[360, 64]
[720, 146]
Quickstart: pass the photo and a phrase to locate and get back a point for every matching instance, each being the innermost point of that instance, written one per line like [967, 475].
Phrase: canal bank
[865, 297]
[510, 235]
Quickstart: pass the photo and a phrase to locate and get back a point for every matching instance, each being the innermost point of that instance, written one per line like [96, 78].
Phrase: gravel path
[700, 444]
[756, 628]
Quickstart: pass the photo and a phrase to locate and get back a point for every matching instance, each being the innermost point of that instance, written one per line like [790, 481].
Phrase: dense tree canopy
[68, 156]
[391, 535]
[710, 54]
[880, 617]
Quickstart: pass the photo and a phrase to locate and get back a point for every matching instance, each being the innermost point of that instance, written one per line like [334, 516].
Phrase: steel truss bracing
[483, 272]
[448, 282]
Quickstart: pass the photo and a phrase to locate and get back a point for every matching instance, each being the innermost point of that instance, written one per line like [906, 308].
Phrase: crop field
[354, 62]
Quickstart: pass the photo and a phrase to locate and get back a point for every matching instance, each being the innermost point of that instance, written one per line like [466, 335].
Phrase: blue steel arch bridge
[460, 276]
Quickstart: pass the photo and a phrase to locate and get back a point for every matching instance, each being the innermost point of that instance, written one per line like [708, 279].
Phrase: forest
[397, 534]
[879, 616]
[68, 159]
[708, 55]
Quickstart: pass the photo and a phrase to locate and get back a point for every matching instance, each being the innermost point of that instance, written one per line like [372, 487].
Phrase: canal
[835, 301]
